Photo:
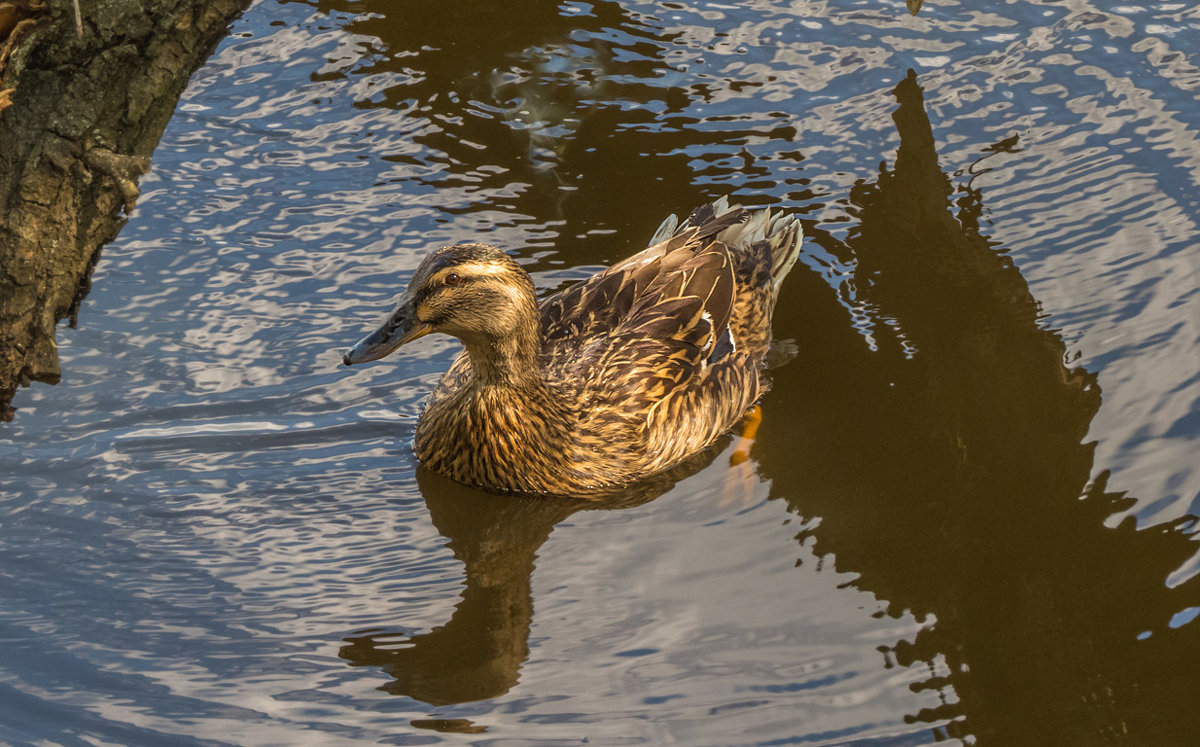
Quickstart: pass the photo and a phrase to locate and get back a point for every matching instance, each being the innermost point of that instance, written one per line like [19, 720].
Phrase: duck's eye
[453, 279]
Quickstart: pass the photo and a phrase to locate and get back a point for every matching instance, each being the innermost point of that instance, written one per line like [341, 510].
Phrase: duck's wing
[669, 378]
[689, 301]
[604, 301]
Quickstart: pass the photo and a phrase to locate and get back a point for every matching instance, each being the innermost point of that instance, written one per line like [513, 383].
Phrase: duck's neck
[508, 361]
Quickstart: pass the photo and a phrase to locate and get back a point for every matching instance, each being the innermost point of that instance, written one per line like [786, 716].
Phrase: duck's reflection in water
[478, 653]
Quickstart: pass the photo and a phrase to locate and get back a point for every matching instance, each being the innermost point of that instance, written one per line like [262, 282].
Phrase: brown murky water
[968, 514]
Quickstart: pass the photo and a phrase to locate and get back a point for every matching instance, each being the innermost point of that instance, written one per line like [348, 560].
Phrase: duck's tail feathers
[782, 232]
[734, 226]
[710, 218]
[786, 236]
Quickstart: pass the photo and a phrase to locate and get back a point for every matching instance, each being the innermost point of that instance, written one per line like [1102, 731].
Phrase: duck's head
[474, 292]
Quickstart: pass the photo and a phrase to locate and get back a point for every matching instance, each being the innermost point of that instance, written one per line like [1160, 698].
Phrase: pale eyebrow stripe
[471, 269]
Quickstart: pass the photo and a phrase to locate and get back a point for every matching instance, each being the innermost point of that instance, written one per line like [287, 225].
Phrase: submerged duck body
[618, 377]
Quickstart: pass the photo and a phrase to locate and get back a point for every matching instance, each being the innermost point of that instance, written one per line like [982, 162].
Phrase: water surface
[967, 516]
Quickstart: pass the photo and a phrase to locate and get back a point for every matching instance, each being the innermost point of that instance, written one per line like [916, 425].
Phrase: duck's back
[662, 352]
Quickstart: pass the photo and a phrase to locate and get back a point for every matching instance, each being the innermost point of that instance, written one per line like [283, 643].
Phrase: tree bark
[83, 102]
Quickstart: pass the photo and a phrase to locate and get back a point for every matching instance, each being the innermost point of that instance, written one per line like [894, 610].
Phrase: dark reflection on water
[951, 534]
[549, 109]
[479, 651]
[978, 506]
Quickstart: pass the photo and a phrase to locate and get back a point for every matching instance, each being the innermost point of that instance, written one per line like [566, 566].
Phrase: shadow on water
[946, 468]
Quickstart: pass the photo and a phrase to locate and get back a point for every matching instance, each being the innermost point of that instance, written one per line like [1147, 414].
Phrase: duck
[616, 378]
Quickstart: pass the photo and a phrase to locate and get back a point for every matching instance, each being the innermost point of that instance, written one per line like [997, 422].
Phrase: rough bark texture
[80, 115]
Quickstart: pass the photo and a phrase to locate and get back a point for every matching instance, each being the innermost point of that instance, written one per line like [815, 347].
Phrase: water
[965, 519]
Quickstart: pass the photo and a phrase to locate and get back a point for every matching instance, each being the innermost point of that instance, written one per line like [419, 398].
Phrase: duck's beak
[401, 327]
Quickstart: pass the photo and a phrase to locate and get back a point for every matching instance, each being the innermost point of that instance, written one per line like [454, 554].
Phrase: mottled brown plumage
[618, 377]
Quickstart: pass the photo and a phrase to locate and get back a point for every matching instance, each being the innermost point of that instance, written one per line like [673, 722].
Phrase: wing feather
[683, 288]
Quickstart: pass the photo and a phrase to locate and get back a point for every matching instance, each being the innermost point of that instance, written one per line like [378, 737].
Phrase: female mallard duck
[618, 377]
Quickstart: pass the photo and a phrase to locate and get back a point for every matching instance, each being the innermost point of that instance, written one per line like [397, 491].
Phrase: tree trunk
[83, 102]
